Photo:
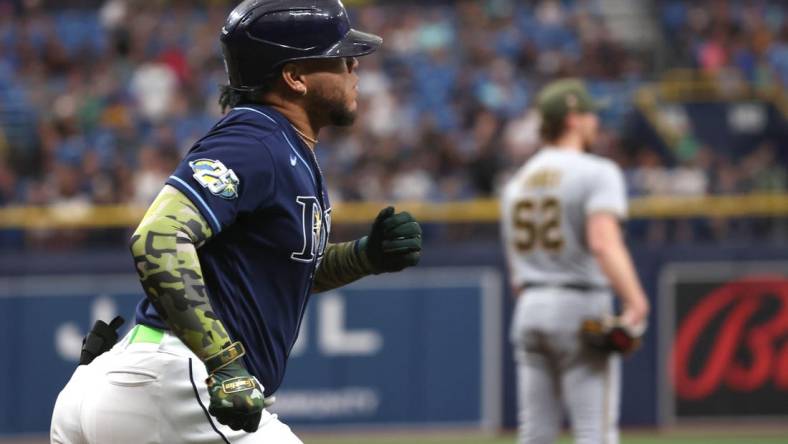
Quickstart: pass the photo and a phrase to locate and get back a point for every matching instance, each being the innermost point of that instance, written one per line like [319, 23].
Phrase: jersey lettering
[538, 223]
[315, 225]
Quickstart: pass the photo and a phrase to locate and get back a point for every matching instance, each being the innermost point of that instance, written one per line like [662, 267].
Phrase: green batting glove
[394, 242]
[237, 399]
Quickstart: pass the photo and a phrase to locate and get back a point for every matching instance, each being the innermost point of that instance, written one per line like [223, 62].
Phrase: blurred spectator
[98, 105]
[751, 36]
[7, 183]
[152, 171]
[153, 86]
[443, 105]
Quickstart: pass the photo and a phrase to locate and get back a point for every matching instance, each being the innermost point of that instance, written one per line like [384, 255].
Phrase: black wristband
[225, 357]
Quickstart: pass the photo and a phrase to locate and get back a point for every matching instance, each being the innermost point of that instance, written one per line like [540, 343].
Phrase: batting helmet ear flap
[259, 36]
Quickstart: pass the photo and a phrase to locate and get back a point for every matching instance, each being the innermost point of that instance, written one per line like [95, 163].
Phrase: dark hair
[230, 97]
[551, 129]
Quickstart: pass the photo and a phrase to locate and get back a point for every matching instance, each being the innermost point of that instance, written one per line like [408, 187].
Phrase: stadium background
[99, 99]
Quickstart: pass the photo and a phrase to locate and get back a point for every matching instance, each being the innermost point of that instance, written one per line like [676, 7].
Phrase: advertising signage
[724, 341]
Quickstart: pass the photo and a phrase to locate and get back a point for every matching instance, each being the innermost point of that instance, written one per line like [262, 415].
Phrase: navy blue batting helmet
[262, 35]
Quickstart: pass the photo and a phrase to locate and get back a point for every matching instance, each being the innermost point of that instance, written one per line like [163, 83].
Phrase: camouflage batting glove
[394, 242]
[237, 399]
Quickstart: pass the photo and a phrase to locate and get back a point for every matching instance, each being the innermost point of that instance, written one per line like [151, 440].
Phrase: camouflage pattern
[393, 244]
[236, 397]
[165, 254]
[342, 264]
[164, 247]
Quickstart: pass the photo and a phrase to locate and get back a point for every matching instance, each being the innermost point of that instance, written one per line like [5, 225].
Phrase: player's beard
[333, 103]
[588, 144]
[590, 137]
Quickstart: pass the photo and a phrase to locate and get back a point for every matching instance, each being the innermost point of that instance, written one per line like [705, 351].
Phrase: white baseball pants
[556, 371]
[146, 393]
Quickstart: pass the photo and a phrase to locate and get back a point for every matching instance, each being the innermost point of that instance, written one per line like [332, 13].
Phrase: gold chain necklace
[304, 136]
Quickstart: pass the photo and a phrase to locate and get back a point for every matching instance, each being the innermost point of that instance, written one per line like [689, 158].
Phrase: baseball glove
[99, 340]
[610, 335]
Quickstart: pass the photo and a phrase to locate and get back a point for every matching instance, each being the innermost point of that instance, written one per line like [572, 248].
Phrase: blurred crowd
[97, 105]
[714, 35]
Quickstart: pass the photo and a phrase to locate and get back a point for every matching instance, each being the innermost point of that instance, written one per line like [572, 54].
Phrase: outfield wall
[428, 348]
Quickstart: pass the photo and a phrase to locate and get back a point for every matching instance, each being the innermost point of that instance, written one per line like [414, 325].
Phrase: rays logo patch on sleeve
[217, 178]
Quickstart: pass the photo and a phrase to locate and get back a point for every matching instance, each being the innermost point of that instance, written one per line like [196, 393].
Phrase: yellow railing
[474, 211]
[686, 85]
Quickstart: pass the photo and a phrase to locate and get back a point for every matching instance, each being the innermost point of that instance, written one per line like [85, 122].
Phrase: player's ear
[570, 121]
[294, 77]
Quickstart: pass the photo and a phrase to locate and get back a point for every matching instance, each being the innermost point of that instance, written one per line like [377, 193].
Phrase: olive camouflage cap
[563, 96]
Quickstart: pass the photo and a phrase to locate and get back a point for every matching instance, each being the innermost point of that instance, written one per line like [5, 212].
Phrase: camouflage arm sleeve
[342, 264]
[164, 247]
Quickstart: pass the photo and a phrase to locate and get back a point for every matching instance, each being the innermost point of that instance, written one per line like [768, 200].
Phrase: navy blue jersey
[260, 188]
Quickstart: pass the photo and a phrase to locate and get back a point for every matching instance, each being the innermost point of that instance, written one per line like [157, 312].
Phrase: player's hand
[237, 399]
[635, 314]
[394, 242]
[610, 335]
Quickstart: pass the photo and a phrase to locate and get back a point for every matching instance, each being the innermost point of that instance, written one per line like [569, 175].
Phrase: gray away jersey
[543, 215]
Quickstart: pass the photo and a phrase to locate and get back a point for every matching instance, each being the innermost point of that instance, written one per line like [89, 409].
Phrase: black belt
[578, 286]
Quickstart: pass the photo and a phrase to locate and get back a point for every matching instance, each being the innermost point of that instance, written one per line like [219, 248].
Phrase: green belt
[142, 333]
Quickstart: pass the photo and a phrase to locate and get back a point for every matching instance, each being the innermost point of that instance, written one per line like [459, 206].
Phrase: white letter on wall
[334, 339]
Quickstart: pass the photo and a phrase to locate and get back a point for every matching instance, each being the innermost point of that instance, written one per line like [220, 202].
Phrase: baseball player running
[231, 249]
[560, 225]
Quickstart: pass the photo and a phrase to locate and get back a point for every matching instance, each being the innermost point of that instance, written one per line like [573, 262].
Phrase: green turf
[626, 439]
[701, 440]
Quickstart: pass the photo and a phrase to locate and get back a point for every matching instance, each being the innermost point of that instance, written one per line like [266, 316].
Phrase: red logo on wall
[740, 330]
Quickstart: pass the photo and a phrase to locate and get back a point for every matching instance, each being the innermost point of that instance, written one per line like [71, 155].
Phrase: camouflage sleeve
[342, 264]
[164, 247]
